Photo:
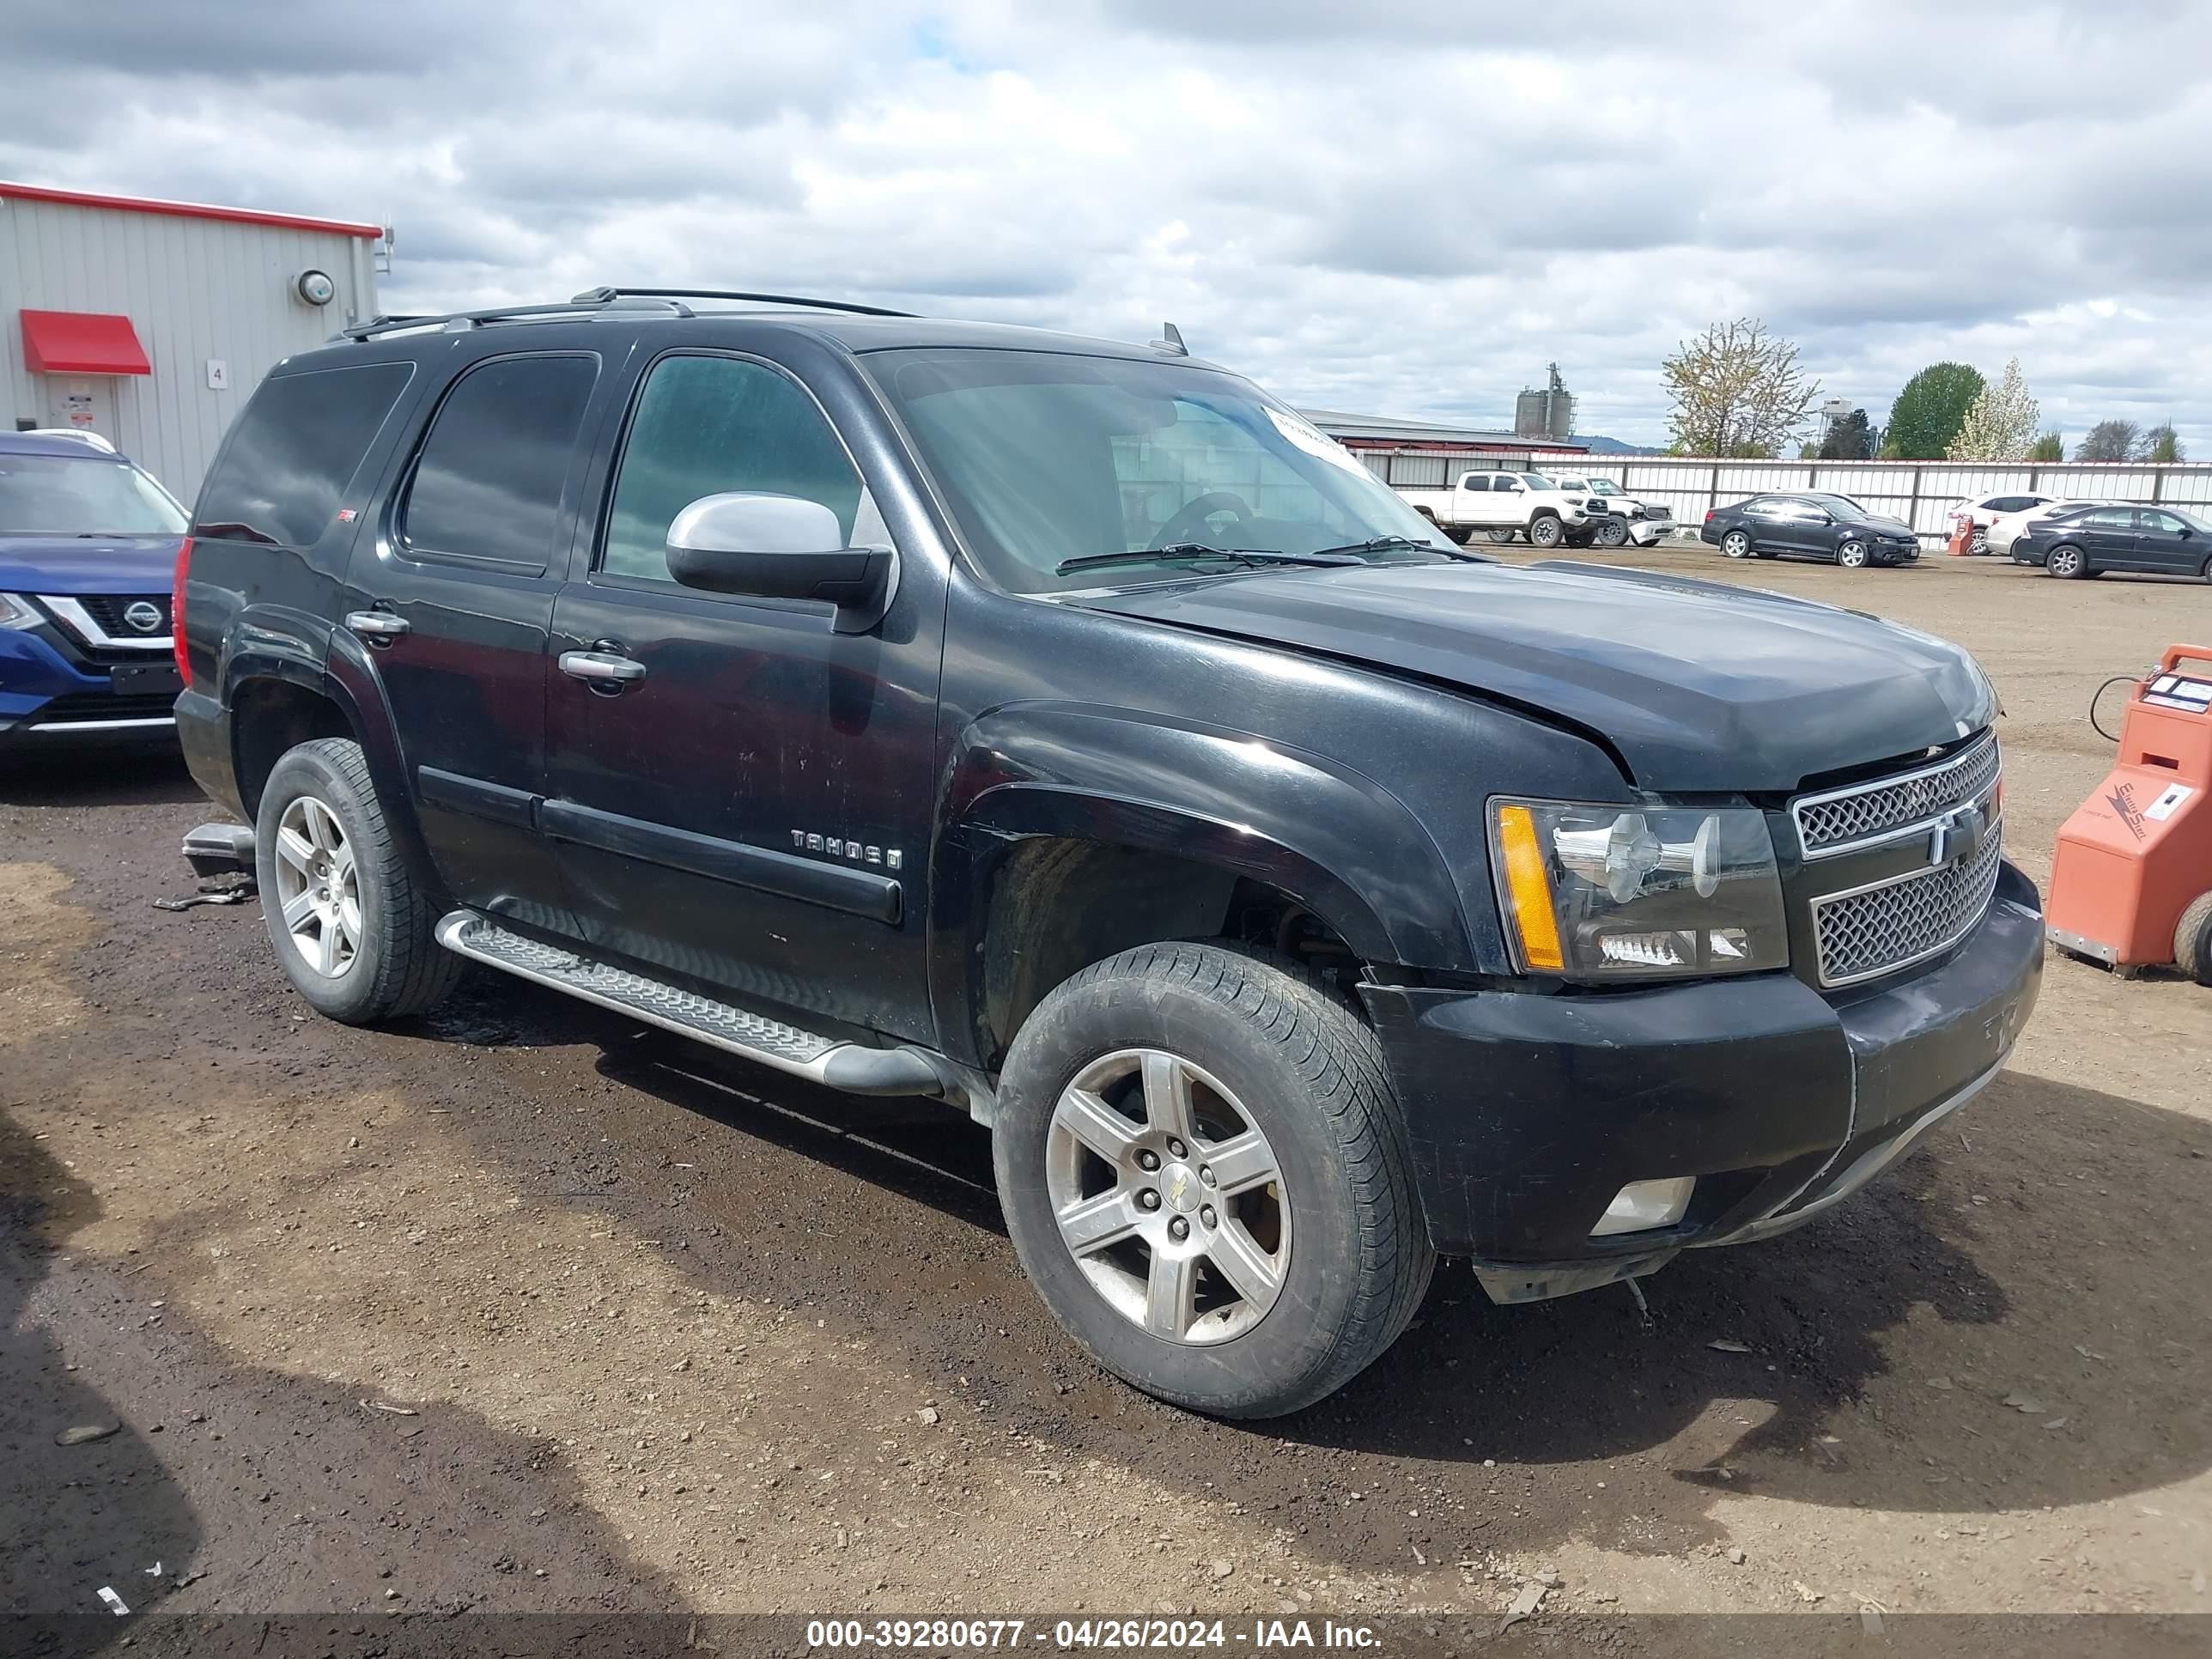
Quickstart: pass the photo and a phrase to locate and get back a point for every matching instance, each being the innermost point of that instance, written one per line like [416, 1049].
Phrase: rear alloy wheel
[2065, 564]
[1852, 554]
[1981, 544]
[1612, 531]
[1547, 532]
[1737, 544]
[1204, 1172]
[1502, 536]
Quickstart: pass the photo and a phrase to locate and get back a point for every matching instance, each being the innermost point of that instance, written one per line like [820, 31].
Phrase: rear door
[750, 810]
[2108, 536]
[1472, 505]
[454, 598]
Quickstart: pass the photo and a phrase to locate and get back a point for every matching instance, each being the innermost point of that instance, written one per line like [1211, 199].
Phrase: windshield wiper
[1182, 552]
[1393, 544]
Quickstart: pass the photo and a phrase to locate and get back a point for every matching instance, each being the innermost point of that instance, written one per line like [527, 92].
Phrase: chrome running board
[831, 1061]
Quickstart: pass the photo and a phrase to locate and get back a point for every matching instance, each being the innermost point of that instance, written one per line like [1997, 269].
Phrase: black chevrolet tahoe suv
[1070, 731]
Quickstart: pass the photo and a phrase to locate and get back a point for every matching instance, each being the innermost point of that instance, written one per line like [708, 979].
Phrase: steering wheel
[1191, 519]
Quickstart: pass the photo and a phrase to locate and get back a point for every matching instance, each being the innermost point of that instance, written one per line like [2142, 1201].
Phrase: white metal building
[151, 322]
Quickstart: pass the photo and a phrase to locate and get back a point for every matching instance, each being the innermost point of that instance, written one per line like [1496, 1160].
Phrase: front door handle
[601, 670]
[377, 627]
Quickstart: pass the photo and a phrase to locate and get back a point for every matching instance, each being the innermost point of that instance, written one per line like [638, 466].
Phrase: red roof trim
[82, 343]
[188, 209]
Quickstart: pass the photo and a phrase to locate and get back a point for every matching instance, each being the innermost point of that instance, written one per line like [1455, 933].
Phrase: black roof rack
[606, 296]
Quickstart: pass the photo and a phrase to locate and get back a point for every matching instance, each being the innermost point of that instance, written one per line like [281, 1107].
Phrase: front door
[749, 809]
[2166, 544]
[455, 599]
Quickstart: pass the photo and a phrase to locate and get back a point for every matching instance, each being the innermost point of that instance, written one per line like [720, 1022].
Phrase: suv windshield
[1604, 487]
[1049, 457]
[65, 495]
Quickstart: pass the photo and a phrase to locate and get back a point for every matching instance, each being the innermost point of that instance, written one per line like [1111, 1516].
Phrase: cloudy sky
[1398, 206]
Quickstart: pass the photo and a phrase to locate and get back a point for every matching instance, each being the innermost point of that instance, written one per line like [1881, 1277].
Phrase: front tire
[1204, 1173]
[2065, 563]
[1546, 531]
[1613, 533]
[351, 924]
[2192, 940]
[1852, 554]
[1503, 535]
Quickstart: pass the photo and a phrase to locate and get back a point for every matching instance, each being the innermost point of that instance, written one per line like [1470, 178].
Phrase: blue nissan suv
[88, 543]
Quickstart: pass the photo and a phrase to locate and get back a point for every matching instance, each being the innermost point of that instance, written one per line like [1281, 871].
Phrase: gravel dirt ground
[527, 1307]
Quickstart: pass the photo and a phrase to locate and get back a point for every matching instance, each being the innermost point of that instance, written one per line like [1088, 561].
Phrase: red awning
[82, 343]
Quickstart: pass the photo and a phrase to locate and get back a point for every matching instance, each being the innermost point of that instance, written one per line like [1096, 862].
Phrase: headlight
[1610, 893]
[17, 613]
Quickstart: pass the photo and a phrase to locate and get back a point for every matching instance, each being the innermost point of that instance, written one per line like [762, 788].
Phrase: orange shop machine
[2131, 883]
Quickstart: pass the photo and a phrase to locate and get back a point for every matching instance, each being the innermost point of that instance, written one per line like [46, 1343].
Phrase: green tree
[2108, 441]
[2050, 446]
[1850, 438]
[1738, 391]
[1929, 411]
[2163, 443]
[2001, 424]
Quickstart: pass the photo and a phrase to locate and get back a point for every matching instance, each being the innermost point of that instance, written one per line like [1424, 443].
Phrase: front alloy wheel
[318, 887]
[1168, 1197]
[1852, 554]
[1546, 531]
[1501, 535]
[1204, 1172]
[1612, 531]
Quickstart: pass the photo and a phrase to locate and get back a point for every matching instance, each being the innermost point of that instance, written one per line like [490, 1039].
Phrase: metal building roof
[189, 209]
[1384, 429]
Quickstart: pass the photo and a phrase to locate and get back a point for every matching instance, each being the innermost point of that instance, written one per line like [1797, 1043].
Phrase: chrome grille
[1837, 820]
[1879, 929]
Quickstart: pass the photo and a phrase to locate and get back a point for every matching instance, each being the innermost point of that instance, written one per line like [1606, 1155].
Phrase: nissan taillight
[177, 611]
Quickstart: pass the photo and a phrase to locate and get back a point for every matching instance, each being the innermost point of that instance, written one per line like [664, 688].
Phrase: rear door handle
[377, 627]
[601, 669]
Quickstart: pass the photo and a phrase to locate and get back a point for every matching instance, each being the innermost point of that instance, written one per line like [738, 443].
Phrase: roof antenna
[1172, 343]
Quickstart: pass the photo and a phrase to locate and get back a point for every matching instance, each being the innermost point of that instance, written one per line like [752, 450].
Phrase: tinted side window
[2164, 522]
[2110, 518]
[705, 425]
[1476, 481]
[294, 450]
[487, 482]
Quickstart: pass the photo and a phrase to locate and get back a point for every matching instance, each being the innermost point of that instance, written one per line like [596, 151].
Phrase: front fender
[1334, 840]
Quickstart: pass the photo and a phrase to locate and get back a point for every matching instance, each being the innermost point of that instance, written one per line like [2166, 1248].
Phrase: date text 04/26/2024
[1084, 1635]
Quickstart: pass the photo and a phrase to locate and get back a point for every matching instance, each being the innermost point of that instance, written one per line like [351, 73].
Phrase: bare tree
[2108, 441]
[1738, 391]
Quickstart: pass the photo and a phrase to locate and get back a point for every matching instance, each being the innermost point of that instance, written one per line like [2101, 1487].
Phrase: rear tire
[1268, 1060]
[1737, 544]
[2192, 940]
[2065, 563]
[352, 927]
[1502, 535]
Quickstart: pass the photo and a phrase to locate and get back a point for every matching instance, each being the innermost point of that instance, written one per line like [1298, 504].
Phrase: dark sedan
[1835, 528]
[2087, 541]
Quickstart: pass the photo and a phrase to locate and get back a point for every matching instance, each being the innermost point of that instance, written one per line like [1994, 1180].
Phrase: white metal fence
[1921, 492]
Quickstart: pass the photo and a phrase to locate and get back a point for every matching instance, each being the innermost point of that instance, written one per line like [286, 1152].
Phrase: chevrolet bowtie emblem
[1956, 834]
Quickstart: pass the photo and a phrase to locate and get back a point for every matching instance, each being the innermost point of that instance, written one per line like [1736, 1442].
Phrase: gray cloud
[1399, 206]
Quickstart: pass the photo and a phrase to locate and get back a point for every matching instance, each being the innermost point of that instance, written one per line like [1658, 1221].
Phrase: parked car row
[88, 545]
[1548, 510]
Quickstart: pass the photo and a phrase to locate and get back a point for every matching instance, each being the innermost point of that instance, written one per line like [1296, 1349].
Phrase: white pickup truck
[1506, 504]
[1616, 517]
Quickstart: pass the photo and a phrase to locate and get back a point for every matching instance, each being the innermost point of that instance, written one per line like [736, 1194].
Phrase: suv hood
[1695, 685]
[72, 564]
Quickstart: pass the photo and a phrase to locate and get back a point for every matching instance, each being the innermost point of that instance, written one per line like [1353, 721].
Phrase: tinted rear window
[487, 483]
[294, 451]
